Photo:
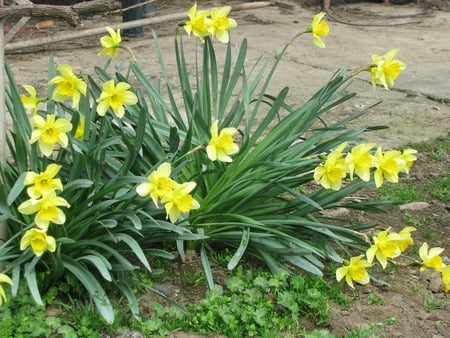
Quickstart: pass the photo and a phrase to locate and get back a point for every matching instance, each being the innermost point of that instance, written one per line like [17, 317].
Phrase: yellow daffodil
[79, 133]
[68, 85]
[43, 182]
[385, 246]
[355, 270]
[197, 23]
[49, 132]
[4, 279]
[38, 240]
[219, 23]
[115, 97]
[359, 160]
[431, 258]
[445, 274]
[180, 201]
[388, 166]
[110, 43]
[31, 102]
[406, 239]
[46, 209]
[159, 183]
[384, 69]
[319, 27]
[409, 156]
[333, 170]
[221, 145]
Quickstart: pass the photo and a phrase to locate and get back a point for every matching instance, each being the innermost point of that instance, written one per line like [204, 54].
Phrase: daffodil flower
[219, 23]
[385, 246]
[354, 270]
[409, 156]
[359, 160]
[431, 258]
[49, 132]
[331, 172]
[115, 97]
[197, 23]
[406, 239]
[110, 43]
[46, 209]
[79, 133]
[159, 183]
[43, 182]
[319, 27]
[388, 166]
[68, 86]
[180, 201]
[445, 274]
[4, 279]
[221, 145]
[38, 240]
[31, 102]
[384, 69]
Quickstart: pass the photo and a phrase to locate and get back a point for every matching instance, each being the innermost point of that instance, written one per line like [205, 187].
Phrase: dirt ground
[416, 110]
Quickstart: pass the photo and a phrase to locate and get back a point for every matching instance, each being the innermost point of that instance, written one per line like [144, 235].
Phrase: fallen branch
[125, 25]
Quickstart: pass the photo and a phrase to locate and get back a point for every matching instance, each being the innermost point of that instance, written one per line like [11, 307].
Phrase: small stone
[432, 280]
[415, 206]
[337, 212]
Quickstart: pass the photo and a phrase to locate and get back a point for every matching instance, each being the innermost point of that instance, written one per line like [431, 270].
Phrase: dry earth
[416, 110]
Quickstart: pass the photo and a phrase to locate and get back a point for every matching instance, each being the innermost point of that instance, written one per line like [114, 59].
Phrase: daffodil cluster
[176, 197]
[45, 204]
[361, 161]
[387, 245]
[214, 23]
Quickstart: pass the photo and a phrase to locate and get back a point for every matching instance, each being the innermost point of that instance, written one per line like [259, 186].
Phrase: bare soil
[417, 110]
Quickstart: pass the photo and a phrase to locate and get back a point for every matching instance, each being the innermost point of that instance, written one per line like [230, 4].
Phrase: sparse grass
[400, 192]
[440, 188]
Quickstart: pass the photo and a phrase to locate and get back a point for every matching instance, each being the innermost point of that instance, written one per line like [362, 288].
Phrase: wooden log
[70, 14]
[131, 24]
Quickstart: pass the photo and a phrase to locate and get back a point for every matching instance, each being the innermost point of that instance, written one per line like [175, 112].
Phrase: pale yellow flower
[180, 201]
[409, 156]
[49, 132]
[431, 258]
[385, 246]
[359, 160]
[406, 239]
[221, 145]
[68, 85]
[79, 133]
[388, 166]
[30, 102]
[355, 270]
[319, 27]
[46, 208]
[43, 182]
[110, 43]
[197, 23]
[384, 69]
[159, 183]
[331, 172]
[115, 97]
[4, 279]
[219, 23]
[38, 240]
[445, 274]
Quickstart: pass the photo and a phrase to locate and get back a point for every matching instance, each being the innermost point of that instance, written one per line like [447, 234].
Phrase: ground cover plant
[106, 176]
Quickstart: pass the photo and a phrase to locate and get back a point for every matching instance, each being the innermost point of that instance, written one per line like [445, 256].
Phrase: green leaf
[30, 276]
[241, 249]
[102, 265]
[16, 189]
[93, 286]
[135, 247]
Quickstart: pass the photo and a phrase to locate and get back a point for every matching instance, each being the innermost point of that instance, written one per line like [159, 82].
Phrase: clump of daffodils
[215, 23]
[360, 161]
[45, 204]
[388, 245]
